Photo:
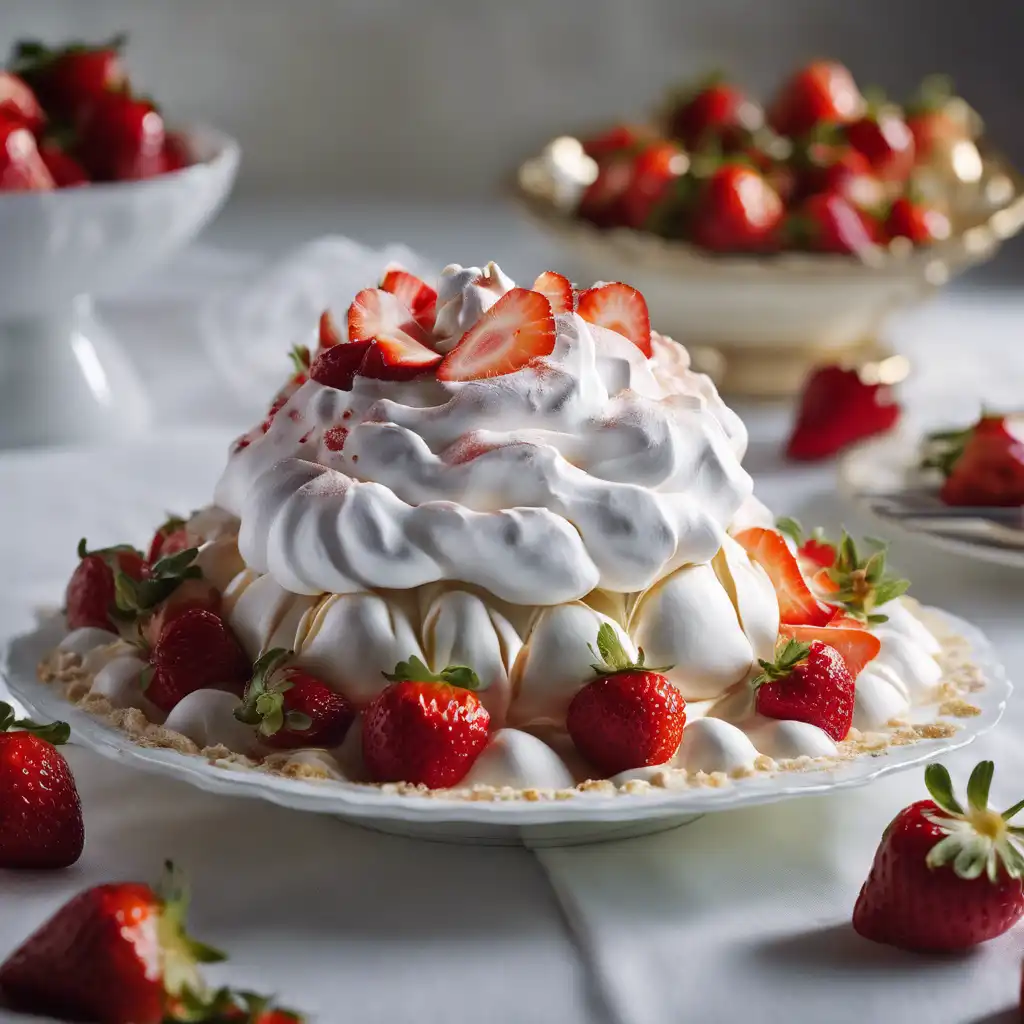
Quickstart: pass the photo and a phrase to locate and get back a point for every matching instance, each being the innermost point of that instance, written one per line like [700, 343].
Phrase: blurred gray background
[440, 99]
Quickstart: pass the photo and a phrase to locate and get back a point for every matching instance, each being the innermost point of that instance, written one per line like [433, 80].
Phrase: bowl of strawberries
[95, 189]
[770, 239]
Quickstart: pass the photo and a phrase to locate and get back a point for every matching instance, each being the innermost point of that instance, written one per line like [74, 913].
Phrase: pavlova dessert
[498, 541]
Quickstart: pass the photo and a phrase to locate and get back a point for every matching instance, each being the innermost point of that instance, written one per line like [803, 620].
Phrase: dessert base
[976, 695]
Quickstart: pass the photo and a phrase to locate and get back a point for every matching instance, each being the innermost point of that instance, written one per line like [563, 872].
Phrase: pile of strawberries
[824, 169]
[68, 116]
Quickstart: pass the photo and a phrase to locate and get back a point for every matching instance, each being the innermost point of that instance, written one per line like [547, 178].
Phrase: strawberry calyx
[301, 359]
[933, 94]
[943, 448]
[109, 555]
[788, 656]
[226, 1006]
[862, 583]
[54, 732]
[977, 840]
[30, 56]
[415, 671]
[613, 656]
[263, 703]
[179, 953]
[134, 598]
[815, 548]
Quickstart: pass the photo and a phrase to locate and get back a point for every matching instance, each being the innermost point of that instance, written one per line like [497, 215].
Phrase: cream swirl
[577, 471]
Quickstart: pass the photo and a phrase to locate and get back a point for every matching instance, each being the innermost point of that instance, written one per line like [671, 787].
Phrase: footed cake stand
[63, 377]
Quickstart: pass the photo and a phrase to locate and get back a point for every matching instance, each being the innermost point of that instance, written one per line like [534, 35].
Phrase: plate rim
[353, 801]
[963, 546]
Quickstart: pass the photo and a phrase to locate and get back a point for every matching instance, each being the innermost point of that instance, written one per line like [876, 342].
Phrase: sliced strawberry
[519, 327]
[620, 308]
[414, 293]
[557, 290]
[401, 348]
[797, 605]
[337, 365]
[843, 621]
[857, 646]
[329, 333]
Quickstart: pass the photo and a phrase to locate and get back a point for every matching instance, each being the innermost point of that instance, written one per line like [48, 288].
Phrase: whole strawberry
[291, 707]
[115, 954]
[807, 682]
[171, 538]
[629, 716]
[40, 812]
[90, 599]
[195, 651]
[426, 728]
[944, 877]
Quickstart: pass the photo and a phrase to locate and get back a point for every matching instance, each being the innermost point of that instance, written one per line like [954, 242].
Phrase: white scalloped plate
[587, 817]
[882, 465]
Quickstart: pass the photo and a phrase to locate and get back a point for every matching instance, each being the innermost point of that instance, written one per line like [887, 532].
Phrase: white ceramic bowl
[62, 377]
[759, 322]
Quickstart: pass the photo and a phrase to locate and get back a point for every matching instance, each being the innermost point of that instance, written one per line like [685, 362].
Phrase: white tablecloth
[737, 917]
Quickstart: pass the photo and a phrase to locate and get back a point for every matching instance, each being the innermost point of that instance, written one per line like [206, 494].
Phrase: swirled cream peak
[464, 294]
[580, 470]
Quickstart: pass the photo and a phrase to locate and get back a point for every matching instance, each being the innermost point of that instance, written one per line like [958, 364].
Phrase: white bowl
[763, 320]
[62, 377]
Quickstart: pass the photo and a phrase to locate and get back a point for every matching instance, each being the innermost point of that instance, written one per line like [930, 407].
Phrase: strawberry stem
[415, 671]
[54, 732]
[787, 656]
[940, 788]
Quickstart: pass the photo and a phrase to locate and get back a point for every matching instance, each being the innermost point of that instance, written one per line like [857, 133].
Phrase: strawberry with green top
[861, 585]
[715, 112]
[171, 538]
[816, 548]
[117, 954]
[426, 728]
[229, 1007]
[982, 465]
[807, 682]
[291, 707]
[630, 715]
[91, 597]
[40, 813]
[945, 877]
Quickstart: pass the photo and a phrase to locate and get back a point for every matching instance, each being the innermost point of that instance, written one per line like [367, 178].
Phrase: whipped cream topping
[579, 471]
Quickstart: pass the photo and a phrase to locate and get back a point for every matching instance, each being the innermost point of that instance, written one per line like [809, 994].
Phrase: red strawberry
[843, 171]
[40, 813]
[116, 953]
[797, 605]
[177, 152]
[885, 140]
[171, 538]
[121, 138]
[815, 548]
[654, 170]
[985, 466]
[291, 707]
[329, 335]
[945, 877]
[922, 224]
[838, 408]
[629, 716]
[827, 222]
[337, 365]
[860, 585]
[808, 683]
[91, 592]
[934, 119]
[737, 211]
[853, 642]
[718, 113]
[414, 294]
[189, 592]
[617, 138]
[557, 290]
[426, 728]
[195, 651]
[518, 328]
[65, 170]
[21, 167]
[401, 348]
[69, 79]
[601, 202]
[824, 92]
[19, 103]
[619, 308]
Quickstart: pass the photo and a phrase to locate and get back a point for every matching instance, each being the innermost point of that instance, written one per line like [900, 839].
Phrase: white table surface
[738, 917]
